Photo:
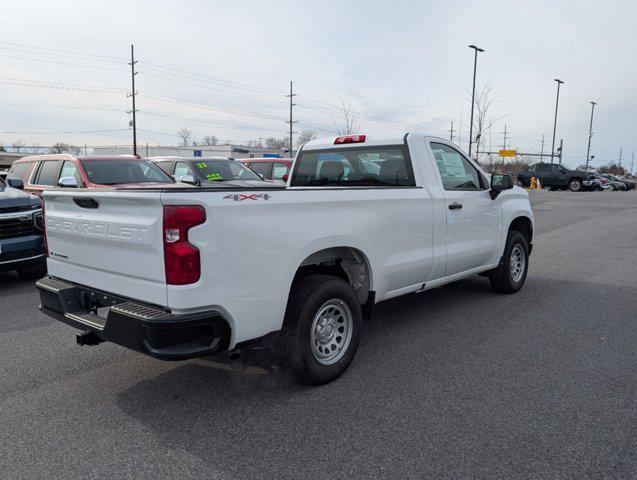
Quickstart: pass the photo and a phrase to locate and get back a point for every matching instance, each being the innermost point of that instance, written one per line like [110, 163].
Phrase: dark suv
[21, 231]
[555, 177]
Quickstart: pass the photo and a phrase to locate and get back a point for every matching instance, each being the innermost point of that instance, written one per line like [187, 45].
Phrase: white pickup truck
[181, 273]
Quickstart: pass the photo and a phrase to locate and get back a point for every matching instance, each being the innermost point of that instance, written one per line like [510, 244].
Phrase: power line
[64, 132]
[63, 63]
[23, 82]
[69, 52]
[57, 105]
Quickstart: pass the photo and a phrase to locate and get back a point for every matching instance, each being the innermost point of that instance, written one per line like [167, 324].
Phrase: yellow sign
[507, 153]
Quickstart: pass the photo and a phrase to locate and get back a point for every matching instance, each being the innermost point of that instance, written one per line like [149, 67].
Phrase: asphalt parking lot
[458, 382]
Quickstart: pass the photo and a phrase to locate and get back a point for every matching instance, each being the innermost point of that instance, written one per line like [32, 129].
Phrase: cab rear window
[359, 166]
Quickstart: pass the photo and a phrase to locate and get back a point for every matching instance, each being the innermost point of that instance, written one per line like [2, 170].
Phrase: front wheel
[575, 185]
[510, 275]
[612, 187]
[321, 330]
[520, 183]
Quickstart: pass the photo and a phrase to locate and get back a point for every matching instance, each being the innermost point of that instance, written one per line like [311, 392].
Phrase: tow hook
[88, 338]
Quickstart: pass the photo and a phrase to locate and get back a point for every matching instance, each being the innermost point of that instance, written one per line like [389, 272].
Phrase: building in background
[7, 158]
[232, 151]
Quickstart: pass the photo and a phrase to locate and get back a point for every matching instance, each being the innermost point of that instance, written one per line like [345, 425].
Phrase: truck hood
[12, 197]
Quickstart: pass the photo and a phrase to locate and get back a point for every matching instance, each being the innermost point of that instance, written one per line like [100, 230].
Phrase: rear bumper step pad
[142, 327]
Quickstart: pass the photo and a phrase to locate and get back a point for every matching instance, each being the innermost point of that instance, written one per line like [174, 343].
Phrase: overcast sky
[223, 68]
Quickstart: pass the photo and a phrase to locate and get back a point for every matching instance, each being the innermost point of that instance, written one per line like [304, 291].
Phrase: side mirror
[499, 183]
[285, 178]
[15, 183]
[67, 182]
[188, 179]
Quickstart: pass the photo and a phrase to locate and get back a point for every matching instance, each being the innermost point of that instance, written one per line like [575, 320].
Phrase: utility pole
[504, 142]
[291, 122]
[590, 135]
[473, 92]
[451, 132]
[557, 101]
[632, 163]
[621, 150]
[542, 150]
[560, 151]
[132, 94]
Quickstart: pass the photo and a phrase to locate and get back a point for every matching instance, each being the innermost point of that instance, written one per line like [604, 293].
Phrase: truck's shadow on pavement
[433, 374]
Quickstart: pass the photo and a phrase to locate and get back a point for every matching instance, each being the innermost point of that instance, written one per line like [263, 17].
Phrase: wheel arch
[349, 263]
[524, 225]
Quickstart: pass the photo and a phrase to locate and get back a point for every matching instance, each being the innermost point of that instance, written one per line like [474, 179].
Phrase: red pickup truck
[43, 172]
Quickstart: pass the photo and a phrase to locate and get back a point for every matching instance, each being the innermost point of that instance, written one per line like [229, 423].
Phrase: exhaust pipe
[88, 338]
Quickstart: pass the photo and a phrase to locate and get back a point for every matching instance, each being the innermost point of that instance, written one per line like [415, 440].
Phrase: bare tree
[210, 140]
[304, 137]
[17, 145]
[346, 122]
[184, 135]
[278, 143]
[61, 147]
[254, 143]
[482, 121]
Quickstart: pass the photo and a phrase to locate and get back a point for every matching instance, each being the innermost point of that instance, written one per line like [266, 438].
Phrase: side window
[182, 169]
[278, 170]
[69, 169]
[262, 167]
[456, 171]
[48, 173]
[543, 168]
[166, 166]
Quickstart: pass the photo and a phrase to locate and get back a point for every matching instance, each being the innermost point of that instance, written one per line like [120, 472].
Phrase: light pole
[473, 92]
[557, 101]
[590, 135]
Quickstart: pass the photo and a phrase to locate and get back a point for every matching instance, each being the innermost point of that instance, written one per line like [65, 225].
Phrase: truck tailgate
[108, 240]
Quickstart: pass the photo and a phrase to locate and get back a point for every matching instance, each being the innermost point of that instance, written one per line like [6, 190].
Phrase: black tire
[575, 185]
[612, 187]
[520, 182]
[34, 272]
[501, 278]
[307, 299]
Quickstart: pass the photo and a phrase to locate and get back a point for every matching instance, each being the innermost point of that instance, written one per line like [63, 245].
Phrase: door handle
[455, 206]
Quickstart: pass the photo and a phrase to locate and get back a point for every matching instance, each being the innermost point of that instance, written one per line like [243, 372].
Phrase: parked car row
[554, 176]
[21, 230]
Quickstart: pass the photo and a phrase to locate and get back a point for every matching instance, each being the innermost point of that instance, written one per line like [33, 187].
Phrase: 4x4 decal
[240, 197]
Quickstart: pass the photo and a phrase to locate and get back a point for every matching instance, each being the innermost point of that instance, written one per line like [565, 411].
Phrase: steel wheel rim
[575, 186]
[517, 263]
[331, 331]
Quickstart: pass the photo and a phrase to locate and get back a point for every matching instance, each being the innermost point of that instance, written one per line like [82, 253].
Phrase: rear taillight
[181, 259]
[350, 139]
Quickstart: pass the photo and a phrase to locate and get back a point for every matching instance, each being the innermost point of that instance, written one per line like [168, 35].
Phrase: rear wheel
[612, 187]
[321, 329]
[520, 182]
[510, 275]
